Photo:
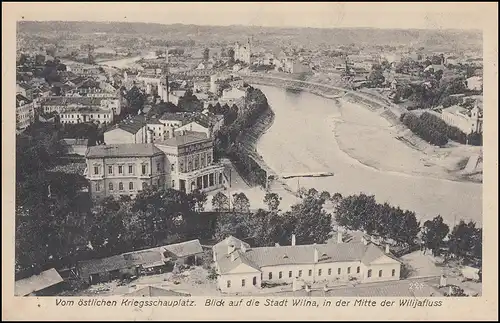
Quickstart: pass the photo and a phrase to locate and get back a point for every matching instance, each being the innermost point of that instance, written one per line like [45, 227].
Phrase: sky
[318, 15]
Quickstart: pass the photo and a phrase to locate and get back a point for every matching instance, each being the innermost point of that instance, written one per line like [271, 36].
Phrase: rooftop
[184, 249]
[151, 291]
[68, 100]
[36, 283]
[190, 137]
[96, 266]
[123, 150]
[298, 254]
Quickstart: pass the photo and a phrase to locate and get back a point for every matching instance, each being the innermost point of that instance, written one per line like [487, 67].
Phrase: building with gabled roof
[243, 268]
[38, 285]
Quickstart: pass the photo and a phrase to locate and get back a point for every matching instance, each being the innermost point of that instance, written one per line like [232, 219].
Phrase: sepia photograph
[246, 150]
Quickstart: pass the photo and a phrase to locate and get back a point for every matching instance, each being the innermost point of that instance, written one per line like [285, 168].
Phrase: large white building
[25, 112]
[243, 52]
[242, 268]
[185, 163]
[465, 120]
[60, 104]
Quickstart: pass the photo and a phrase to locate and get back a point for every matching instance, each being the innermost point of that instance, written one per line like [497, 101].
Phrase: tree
[465, 240]
[433, 233]
[309, 222]
[325, 195]
[206, 54]
[199, 199]
[241, 202]
[220, 202]
[272, 200]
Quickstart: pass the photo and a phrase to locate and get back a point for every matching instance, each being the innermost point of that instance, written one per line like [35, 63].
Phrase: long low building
[43, 284]
[243, 269]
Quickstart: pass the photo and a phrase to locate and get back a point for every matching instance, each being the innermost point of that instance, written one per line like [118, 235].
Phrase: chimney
[316, 255]
[387, 250]
[293, 239]
[233, 256]
[339, 237]
[230, 249]
[243, 248]
[442, 281]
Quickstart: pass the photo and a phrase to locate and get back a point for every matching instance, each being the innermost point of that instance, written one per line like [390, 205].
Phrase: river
[302, 139]
[127, 62]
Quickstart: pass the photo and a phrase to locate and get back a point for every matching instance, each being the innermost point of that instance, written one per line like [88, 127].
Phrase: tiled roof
[132, 125]
[67, 100]
[298, 254]
[36, 283]
[146, 258]
[151, 291]
[173, 116]
[189, 137]
[123, 150]
[20, 98]
[184, 249]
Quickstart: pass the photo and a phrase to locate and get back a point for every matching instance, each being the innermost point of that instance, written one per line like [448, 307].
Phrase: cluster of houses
[127, 265]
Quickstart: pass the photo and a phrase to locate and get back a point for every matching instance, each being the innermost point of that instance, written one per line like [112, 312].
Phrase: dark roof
[71, 141]
[36, 283]
[184, 249]
[190, 137]
[123, 150]
[132, 125]
[20, 98]
[98, 266]
[298, 254]
[151, 291]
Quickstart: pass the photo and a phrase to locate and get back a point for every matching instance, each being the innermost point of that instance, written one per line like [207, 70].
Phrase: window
[196, 162]
[120, 186]
[358, 269]
[339, 271]
[110, 169]
[190, 165]
[96, 170]
[290, 274]
[211, 179]
[144, 185]
[220, 178]
[172, 167]
[242, 283]
[300, 273]
[329, 271]
[310, 272]
[131, 185]
[280, 275]
[348, 270]
[110, 186]
[380, 273]
[209, 159]
[120, 169]
[173, 184]
[144, 168]
[369, 273]
[228, 284]
[97, 187]
[130, 169]
[157, 167]
[319, 272]
[270, 275]
[393, 273]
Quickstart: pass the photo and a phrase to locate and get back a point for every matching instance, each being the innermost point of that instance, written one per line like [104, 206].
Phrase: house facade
[190, 164]
[243, 269]
[25, 112]
[467, 121]
[125, 169]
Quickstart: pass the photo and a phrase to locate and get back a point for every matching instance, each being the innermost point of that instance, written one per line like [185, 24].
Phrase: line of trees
[228, 138]
[435, 131]
[362, 212]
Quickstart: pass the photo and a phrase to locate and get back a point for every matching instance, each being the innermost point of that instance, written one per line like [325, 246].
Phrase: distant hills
[340, 36]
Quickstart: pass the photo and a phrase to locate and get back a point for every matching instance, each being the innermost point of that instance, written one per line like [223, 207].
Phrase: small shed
[44, 284]
[147, 261]
[185, 252]
[102, 270]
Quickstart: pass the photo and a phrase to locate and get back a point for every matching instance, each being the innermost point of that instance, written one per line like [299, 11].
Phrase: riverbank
[386, 145]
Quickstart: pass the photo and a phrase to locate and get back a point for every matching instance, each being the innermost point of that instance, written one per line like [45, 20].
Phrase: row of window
[120, 186]
[131, 169]
[72, 116]
[199, 162]
[320, 272]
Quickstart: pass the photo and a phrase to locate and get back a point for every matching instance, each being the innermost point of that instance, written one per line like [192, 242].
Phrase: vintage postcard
[249, 160]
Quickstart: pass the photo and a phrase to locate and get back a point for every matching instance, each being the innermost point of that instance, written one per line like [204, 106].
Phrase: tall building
[243, 52]
[25, 112]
